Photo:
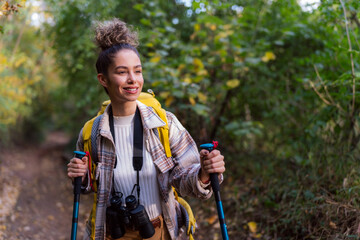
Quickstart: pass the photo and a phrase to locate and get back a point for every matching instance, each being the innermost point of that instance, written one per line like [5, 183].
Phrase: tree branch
[351, 59]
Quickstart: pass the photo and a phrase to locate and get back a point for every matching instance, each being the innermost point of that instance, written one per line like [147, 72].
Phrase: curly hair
[115, 32]
[111, 37]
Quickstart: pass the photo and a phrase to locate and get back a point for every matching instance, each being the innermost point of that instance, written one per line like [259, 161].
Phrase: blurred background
[276, 82]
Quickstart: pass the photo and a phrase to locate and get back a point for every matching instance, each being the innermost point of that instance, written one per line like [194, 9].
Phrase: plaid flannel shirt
[181, 170]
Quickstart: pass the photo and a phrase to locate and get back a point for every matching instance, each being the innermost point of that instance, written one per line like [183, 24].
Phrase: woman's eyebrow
[117, 67]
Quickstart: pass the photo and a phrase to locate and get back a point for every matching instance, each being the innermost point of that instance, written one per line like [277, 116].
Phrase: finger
[203, 153]
[77, 170]
[220, 169]
[214, 165]
[74, 175]
[85, 159]
[77, 166]
[214, 153]
[78, 161]
[219, 158]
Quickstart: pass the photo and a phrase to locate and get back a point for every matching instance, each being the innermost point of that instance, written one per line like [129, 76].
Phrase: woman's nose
[131, 77]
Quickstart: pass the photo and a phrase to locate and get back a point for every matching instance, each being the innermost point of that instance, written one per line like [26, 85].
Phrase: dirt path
[36, 198]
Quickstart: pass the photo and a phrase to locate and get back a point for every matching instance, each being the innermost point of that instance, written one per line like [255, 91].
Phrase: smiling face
[124, 80]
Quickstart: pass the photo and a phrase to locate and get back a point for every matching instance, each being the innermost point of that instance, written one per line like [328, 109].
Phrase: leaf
[202, 97]
[268, 56]
[212, 219]
[252, 227]
[332, 225]
[164, 94]
[198, 63]
[155, 59]
[192, 101]
[139, 6]
[233, 83]
[197, 27]
[187, 80]
[169, 101]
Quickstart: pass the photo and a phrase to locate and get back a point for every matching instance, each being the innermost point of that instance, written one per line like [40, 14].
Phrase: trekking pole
[77, 191]
[216, 188]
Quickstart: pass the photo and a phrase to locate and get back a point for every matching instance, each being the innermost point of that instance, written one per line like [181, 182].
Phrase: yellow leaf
[211, 219]
[169, 101]
[164, 94]
[196, 27]
[192, 101]
[187, 80]
[181, 67]
[233, 83]
[20, 61]
[5, 6]
[213, 27]
[252, 226]
[149, 44]
[155, 59]
[202, 97]
[202, 72]
[198, 63]
[257, 235]
[268, 56]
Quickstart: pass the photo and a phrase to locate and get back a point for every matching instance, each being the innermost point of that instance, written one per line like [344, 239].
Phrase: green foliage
[28, 77]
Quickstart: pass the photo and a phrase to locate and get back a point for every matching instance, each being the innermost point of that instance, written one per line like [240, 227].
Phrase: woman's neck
[124, 108]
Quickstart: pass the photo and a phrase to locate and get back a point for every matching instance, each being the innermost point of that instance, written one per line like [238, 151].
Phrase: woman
[120, 73]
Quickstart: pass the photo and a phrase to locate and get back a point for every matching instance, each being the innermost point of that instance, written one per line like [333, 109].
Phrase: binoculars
[132, 215]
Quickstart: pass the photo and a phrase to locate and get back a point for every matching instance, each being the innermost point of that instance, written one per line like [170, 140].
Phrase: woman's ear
[102, 80]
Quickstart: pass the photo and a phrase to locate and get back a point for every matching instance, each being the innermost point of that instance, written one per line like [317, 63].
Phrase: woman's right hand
[77, 168]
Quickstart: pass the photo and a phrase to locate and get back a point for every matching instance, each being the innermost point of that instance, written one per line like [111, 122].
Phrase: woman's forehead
[126, 53]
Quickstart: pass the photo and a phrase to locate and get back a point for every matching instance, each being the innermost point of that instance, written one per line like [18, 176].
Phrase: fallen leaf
[252, 226]
[332, 225]
[211, 219]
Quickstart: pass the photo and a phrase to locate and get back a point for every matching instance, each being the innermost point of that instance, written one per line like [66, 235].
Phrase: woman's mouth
[131, 90]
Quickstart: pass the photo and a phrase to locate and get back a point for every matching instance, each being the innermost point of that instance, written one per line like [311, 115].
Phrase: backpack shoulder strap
[150, 100]
[94, 134]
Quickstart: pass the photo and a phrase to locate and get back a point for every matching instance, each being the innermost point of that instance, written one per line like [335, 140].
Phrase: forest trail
[36, 198]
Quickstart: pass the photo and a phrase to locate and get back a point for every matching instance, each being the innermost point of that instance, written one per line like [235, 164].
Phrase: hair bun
[114, 32]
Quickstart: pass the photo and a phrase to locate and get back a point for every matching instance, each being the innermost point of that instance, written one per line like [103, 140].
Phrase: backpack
[89, 137]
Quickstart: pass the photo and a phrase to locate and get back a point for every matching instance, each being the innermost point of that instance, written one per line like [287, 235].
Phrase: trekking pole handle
[216, 188]
[213, 176]
[77, 180]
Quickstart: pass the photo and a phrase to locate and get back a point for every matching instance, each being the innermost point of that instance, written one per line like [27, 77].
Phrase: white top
[124, 173]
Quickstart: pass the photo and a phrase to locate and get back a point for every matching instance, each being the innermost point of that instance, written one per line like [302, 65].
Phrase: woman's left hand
[211, 162]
